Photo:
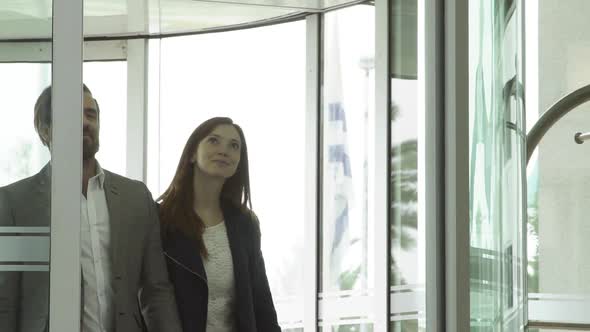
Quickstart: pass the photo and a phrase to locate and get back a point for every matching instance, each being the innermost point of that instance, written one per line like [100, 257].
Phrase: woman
[211, 238]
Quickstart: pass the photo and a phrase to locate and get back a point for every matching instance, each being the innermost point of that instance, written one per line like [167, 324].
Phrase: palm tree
[403, 221]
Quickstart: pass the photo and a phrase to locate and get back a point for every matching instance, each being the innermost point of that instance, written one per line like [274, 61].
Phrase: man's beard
[89, 149]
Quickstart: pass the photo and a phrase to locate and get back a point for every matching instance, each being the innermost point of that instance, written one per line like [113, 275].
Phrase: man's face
[90, 127]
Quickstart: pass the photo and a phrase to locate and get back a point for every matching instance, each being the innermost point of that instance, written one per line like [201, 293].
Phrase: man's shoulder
[22, 186]
[123, 182]
[17, 198]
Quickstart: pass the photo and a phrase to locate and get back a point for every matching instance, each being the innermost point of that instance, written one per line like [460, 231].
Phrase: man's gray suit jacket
[143, 295]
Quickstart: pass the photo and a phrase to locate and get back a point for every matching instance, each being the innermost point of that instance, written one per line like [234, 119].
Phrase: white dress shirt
[97, 288]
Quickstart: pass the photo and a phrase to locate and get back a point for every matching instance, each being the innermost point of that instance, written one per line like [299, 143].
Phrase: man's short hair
[43, 117]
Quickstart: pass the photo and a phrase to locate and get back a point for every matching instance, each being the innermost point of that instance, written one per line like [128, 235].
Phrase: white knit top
[220, 279]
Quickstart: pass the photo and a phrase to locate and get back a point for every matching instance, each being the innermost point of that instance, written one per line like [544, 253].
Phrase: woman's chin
[218, 175]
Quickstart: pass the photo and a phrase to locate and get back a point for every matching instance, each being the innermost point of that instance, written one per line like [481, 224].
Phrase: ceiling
[31, 19]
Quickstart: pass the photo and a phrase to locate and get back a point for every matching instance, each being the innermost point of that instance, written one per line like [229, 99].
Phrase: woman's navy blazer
[254, 311]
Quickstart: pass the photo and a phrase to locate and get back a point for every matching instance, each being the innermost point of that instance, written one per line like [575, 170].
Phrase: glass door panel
[25, 197]
[497, 165]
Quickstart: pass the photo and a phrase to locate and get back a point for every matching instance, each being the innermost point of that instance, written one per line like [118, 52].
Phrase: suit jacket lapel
[117, 229]
[42, 196]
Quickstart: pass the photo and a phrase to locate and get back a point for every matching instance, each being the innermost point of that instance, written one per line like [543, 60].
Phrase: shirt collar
[99, 175]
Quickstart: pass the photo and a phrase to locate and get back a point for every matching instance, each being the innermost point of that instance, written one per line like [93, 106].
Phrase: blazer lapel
[114, 201]
[239, 254]
[184, 252]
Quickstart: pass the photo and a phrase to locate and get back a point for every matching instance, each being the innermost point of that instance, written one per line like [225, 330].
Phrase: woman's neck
[207, 192]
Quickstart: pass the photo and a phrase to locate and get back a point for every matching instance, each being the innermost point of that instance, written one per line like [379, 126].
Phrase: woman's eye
[236, 146]
[212, 140]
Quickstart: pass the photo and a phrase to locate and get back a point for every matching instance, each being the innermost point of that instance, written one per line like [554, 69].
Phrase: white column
[379, 165]
[137, 14]
[66, 161]
[136, 109]
[153, 117]
[312, 173]
[456, 165]
[431, 152]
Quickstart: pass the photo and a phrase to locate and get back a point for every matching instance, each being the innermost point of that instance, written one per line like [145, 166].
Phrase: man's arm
[156, 296]
[9, 281]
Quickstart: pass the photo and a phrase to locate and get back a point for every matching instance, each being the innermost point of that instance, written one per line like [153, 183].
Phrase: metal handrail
[555, 325]
[545, 122]
[552, 115]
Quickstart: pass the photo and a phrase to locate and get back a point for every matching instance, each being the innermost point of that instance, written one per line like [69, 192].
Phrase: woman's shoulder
[244, 216]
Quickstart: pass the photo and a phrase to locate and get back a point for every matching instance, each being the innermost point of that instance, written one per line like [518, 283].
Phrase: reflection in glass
[496, 166]
[256, 77]
[365, 327]
[407, 229]
[408, 325]
[346, 268]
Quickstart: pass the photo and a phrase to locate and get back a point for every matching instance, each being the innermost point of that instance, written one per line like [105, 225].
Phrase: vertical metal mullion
[457, 165]
[530, 15]
[153, 116]
[312, 170]
[136, 91]
[431, 75]
[523, 252]
[66, 163]
[136, 109]
[379, 156]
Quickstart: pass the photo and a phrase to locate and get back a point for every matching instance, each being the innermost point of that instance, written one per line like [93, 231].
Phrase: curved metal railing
[552, 115]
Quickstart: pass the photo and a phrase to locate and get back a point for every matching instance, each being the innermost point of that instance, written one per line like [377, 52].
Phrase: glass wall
[21, 154]
[108, 82]
[347, 270]
[496, 172]
[25, 179]
[407, 222]
[256, 77]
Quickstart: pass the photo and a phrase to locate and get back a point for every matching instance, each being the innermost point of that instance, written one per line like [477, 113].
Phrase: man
[125, 286]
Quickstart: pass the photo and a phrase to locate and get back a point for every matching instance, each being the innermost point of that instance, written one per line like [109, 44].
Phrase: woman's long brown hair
[176, 203]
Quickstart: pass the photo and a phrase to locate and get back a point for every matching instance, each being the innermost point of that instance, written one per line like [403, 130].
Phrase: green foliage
[404, 202]
[353, 328]
[404, 214]
[404, 326]
[347, 279]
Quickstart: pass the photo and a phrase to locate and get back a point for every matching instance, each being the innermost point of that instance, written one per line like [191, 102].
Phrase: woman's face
[218, 154]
